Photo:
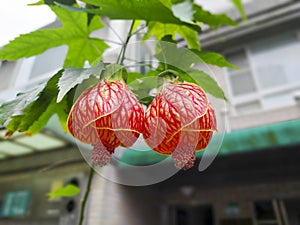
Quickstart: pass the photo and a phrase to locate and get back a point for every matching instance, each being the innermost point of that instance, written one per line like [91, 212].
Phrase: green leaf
[187, 11]
[207, 83]
[66, 2]
[41, 2]
[239, 5]
[146, 100]
[74, 76]
[133, 10]
[160, 30]
[135, 26]
[133, 76]
[67, 191]
[149, 10]
[52, 2]
[74, 33]
[36, 114]
[167, 3]
[184, 11]
[34, 126]
[213, 20]
[115, 72]
[183, 58]
[214, 58]
[156, 11]
[16, 106]
[143, 85]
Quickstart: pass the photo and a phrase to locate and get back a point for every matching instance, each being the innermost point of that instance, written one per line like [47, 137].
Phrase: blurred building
[253, 180]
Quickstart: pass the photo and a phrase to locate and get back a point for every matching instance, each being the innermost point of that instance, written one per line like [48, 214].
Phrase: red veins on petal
[209, 125]
[179, 121]
[106, 116]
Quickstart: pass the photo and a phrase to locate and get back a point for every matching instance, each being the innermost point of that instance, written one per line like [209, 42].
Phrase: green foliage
[239, 5]
[149, 10]
[213, 20]
[115, 72]
[16, 106]
[160, 30]
[37, 109]
[214, 58]
[183, 58]
[164, 19]
[74, 33]
[184, 11]
[207, 83]
[69, 190]
[71, 77]
[143, 84]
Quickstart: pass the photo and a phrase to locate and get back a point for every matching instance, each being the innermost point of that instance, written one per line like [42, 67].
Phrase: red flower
[107, 115]
[179, 121]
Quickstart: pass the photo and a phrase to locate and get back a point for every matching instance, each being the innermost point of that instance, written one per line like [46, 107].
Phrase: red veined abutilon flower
[106, 116]
[179, 121]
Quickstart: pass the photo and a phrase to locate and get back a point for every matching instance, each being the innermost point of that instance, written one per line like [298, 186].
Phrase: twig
[85, 197]
[124, 47]
[139, 29]
[114, 31]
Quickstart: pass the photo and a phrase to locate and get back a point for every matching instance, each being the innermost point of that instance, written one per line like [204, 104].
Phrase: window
[268, 76]
[7, 73]
[276, 62]
[270, 212]
[38, 69]
[192, 215]
[264, 210]
[50, 60]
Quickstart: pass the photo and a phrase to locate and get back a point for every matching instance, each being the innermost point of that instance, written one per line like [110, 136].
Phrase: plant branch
[139, 29]
[124, 47]
[114, 31]
[111, 41]
[85, 197]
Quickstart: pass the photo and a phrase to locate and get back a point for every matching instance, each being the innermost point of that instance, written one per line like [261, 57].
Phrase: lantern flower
[179, 121]
[106, 116]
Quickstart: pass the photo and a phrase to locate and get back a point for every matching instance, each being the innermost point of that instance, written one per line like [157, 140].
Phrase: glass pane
[182, 217]
[41, 142]
[271, 76]
[13, 149]
[264, 210]
[48, 61]
[240, 221]
[276, 61]
[268, 223]
[242, 83]
[279, 100]
[6, 73]
[238, 58]
[248, 107]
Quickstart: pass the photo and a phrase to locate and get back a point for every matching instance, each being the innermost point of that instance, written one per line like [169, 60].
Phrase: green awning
[252, 139]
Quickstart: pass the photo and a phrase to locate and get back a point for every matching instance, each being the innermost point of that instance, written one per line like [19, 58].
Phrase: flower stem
[85, 197]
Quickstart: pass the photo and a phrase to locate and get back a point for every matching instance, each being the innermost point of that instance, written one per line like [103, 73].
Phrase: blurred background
[255, 178]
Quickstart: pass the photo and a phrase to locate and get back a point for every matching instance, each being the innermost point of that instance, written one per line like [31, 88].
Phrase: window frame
[261, 93]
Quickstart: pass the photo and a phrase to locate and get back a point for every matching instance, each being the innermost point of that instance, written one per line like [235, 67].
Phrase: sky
[17, 18]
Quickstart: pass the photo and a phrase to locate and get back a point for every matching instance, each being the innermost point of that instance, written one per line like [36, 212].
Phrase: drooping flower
[106, 116]
[179, 121]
